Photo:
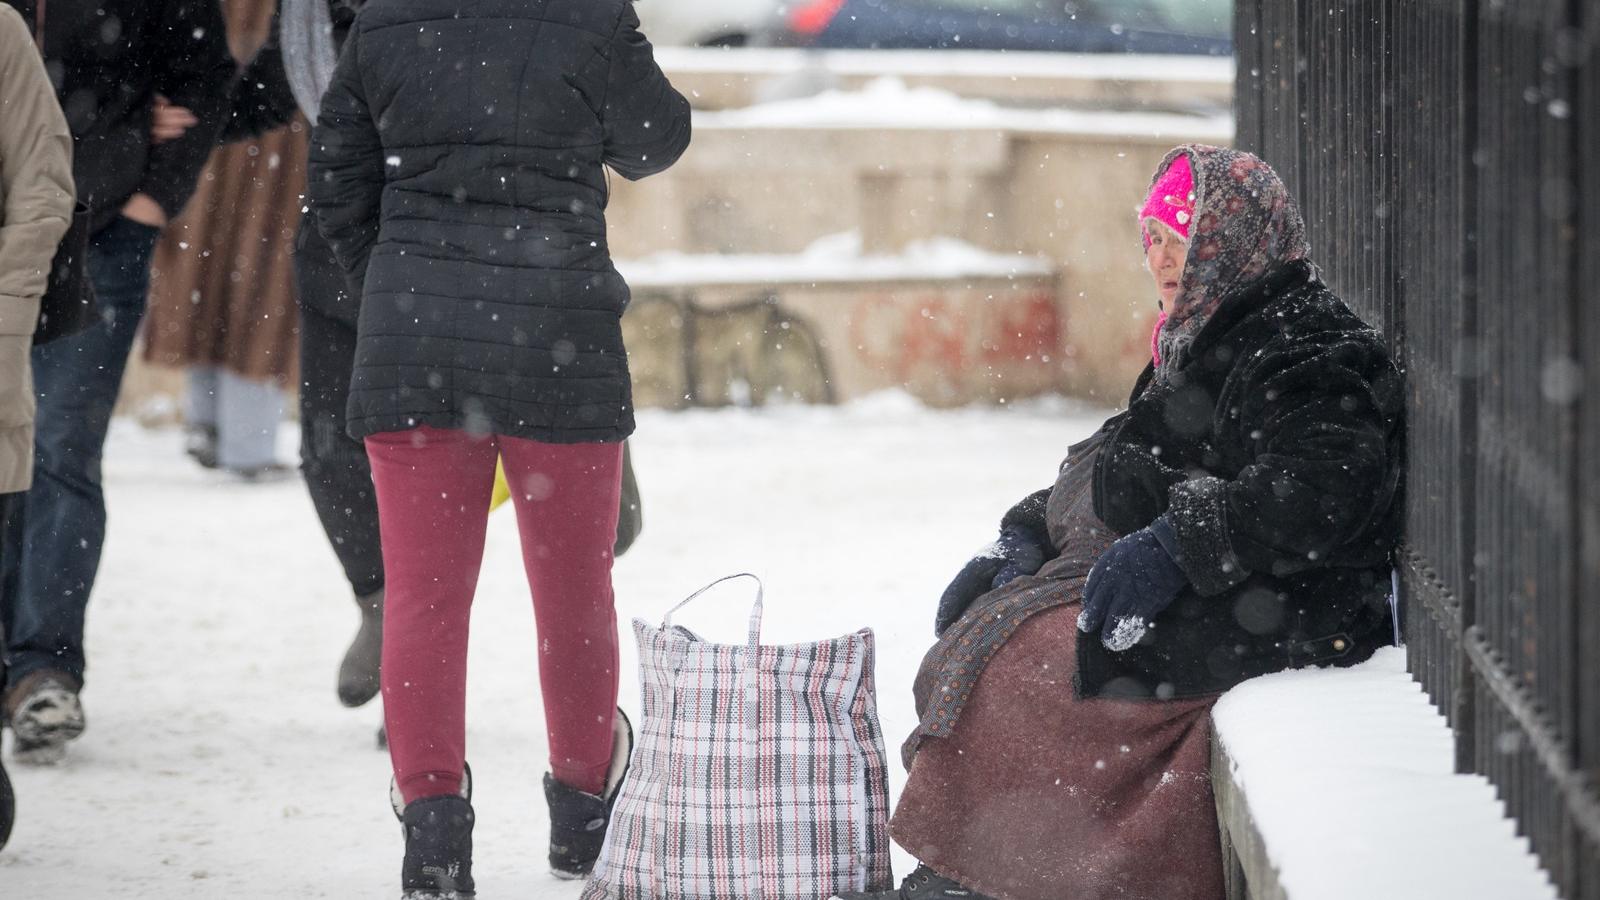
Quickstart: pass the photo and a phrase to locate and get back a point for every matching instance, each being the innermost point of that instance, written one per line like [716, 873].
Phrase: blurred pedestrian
[458, 172]
[36, 197]
[135, 167]
[1239, 518]
[221, 289]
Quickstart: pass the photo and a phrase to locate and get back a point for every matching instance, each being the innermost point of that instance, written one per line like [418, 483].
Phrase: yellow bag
[502, 489]
[630, 519]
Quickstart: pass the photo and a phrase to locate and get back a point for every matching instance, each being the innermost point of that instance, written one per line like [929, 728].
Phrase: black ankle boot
[922, 884]
[438, 863]
[578, 820]
[8, 807]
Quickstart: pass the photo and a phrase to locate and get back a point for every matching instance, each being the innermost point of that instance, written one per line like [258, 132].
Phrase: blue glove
[1131, 583]
[1017, 552]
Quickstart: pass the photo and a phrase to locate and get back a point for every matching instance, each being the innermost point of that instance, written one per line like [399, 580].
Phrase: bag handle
[38, 25]
[755, 611]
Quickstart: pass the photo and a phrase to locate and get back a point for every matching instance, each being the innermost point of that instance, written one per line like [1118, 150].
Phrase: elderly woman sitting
[1237, 519]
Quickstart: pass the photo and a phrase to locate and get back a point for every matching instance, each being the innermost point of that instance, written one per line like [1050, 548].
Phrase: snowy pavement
[218, 762]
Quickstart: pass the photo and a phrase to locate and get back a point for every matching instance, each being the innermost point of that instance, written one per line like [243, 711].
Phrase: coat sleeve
[35, 176]
[193, 69]
[1320, 420]
[646, 120]
[345, 177]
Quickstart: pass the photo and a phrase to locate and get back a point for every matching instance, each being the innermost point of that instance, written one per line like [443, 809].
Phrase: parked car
[1080, 26]
[712, 23]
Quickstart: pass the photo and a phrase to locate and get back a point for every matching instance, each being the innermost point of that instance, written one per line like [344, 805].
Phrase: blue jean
[53, 541]
[245, 414]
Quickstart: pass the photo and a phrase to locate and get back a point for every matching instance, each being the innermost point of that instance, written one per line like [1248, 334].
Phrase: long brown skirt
[1037, 795]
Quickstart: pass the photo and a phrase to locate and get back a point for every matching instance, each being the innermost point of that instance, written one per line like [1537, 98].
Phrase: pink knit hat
[1171, 200]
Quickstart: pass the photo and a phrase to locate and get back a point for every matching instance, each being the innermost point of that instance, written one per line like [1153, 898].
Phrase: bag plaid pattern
[759, 772]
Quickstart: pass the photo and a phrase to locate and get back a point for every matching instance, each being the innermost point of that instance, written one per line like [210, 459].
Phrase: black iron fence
[1447, 156]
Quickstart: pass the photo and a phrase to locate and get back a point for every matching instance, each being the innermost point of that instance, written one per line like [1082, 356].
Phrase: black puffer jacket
[1276, 453]
[108, 60]
[457, 169]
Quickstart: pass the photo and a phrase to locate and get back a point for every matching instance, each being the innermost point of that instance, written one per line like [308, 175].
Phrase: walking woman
[1239, 518]
[458, 172]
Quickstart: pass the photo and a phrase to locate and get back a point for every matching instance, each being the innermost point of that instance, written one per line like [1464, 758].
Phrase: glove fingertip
[1085, 622]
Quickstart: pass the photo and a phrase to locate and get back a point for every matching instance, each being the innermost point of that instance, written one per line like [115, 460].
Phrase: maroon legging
[433, 489]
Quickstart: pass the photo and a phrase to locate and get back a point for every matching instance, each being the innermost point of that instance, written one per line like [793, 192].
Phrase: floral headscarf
[1245, 224]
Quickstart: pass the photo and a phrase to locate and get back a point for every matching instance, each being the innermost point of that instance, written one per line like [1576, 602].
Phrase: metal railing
[1444, 153]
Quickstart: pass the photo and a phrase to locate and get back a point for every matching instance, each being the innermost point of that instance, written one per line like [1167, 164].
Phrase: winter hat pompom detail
[1171, 200]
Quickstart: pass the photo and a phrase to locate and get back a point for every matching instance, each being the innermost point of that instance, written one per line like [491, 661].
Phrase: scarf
[1245, 224]
[306, 36]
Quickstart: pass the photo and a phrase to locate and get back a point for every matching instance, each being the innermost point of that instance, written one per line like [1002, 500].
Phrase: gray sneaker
[45, 713]
[922, 884]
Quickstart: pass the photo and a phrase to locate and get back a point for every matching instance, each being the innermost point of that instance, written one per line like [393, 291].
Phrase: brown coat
[222, 280]
[36, 197]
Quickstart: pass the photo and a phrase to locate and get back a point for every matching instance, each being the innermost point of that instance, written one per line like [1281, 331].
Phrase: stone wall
[1057, 183]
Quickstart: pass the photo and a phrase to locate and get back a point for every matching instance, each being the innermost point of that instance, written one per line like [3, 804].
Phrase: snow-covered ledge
[1340, 783]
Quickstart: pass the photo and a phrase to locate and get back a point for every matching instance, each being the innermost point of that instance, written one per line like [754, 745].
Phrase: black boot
[922, 884]
[8, 807]
[578, 820]
[358, 671]
[438, 863]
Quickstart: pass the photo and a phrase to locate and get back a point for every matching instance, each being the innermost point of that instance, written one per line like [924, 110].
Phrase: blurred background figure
[36, 197]
[221, 289]
[135, 166]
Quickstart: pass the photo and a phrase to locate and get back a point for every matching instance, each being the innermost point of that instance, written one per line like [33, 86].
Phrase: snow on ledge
[836, 259]
[1349, 775]
[887, 103]
[974, 63]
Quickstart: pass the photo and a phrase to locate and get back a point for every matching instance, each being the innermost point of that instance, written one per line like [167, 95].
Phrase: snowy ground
[218, 762]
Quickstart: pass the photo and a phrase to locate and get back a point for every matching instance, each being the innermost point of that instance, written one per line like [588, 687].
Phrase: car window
[1038, 8]
[1211, 18]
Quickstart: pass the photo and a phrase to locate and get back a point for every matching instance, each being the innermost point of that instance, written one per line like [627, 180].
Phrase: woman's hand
[143, 208]
[169, 121]
[1017, 552]
[1131, 583]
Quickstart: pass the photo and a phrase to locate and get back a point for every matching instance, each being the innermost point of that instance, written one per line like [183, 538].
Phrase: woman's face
[1164, 258]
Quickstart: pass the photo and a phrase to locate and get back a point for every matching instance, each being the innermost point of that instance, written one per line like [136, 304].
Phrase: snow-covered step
[1340, 783]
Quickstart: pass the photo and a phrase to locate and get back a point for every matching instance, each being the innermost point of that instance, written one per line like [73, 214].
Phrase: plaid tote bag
[759, 772]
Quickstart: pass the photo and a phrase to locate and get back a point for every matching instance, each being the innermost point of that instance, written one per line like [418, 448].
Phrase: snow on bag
[759, 771]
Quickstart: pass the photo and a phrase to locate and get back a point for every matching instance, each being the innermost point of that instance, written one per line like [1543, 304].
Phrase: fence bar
[1443, 152]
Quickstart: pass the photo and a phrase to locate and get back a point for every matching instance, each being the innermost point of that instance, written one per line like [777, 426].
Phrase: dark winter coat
[265, 99]
[108, 60]
[457, 169]
[221, 287]
[1275, 450]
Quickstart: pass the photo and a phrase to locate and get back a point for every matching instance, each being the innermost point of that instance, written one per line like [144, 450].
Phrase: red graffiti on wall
[902, 335]
[1028, 330]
